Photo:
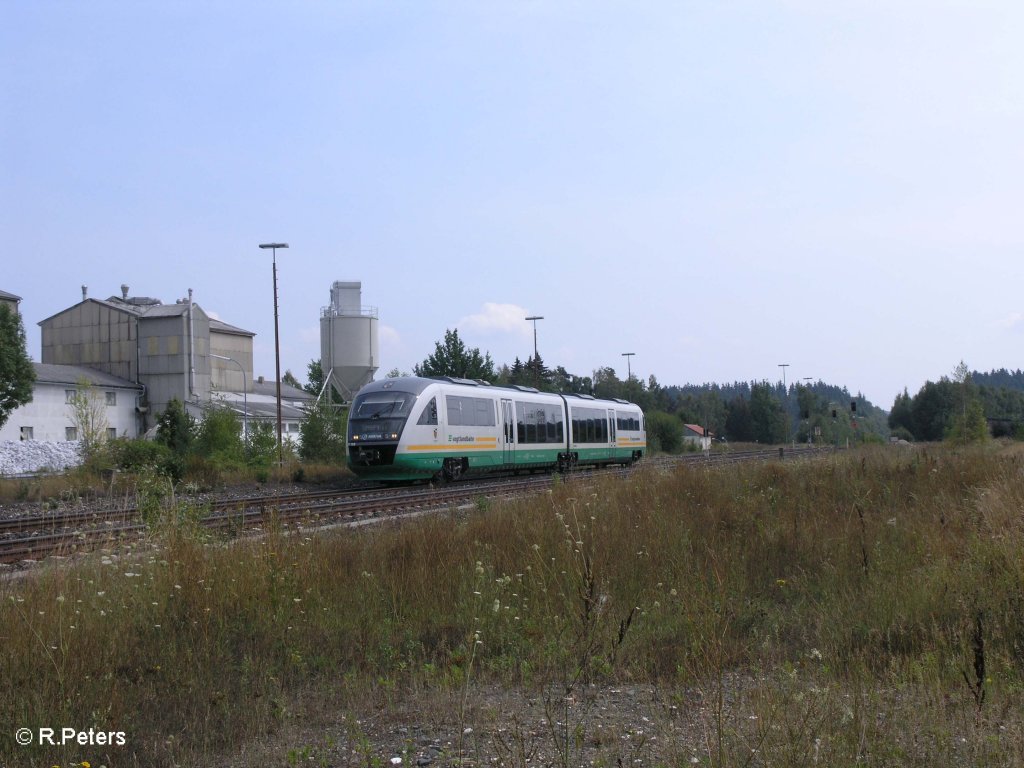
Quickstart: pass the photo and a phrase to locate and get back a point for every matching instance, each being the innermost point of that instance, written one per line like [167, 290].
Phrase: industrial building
[349, 344]
[141, 353]
[170, 350]
[10, 300]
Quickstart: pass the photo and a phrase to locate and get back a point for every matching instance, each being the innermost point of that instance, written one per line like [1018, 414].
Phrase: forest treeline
[755, 411]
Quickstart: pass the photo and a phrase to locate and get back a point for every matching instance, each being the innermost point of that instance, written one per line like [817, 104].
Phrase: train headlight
[394, 435]
[355, 438]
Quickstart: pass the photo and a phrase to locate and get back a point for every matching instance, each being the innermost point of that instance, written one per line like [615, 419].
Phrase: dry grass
[873, 604]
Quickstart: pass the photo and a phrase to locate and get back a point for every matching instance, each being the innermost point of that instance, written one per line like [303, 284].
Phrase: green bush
[664, 432]
[322, 432]
[902, 433]
[176, 428]
[219, 438]
[137, 455]
[261, 445]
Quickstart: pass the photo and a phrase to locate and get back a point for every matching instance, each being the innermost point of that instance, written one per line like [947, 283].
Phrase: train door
[508, 431]
[611, 434]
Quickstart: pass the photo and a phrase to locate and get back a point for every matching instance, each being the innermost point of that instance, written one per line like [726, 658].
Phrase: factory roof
[166, 310]
[144, 307]
[288, 392]
[48, 373]
[221, 327]
[256, 409]
[9, 296]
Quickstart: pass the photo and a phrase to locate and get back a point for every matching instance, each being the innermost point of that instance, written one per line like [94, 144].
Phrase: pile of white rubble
[29, 456]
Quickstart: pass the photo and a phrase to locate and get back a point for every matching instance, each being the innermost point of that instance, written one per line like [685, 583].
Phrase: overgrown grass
[89, 483]
[862, 608]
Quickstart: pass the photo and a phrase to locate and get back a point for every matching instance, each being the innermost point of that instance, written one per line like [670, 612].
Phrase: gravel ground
[614, 725]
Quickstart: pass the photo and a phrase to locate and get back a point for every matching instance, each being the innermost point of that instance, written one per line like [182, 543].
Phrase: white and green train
[415, 428]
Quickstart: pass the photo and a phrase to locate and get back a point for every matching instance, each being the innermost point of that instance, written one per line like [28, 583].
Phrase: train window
[540, 423]
[429, 415]
[376, 405]
[627, 421]
[470, 411]
[589, 425]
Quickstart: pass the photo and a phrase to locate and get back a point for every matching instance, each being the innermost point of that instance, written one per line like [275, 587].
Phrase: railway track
[30, 538]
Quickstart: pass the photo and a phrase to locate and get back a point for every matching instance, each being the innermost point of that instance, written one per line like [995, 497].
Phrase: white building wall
[49, 414]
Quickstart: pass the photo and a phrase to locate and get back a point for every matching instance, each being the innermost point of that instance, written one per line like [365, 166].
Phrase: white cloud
[388, 336]
[498, 318]
[1013, 320]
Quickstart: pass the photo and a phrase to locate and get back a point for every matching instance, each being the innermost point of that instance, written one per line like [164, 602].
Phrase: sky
[719, 188]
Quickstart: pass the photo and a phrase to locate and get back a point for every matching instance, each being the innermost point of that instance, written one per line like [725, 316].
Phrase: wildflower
[497, 606]
[781, 582]
[60, 598]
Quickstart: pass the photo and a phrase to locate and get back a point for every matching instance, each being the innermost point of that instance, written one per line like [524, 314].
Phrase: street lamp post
[810, 440]
[245, 396]
[535, 318]
[629, 368]
[785, 398]
[277, 350]
[537, 368]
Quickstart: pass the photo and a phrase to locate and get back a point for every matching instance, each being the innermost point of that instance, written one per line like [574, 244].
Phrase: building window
[111, 398]
[70, 433]
[26, 433]
[111, 433]
[69, 395]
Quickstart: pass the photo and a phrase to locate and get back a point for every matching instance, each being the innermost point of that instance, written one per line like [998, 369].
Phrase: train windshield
[382, 405]
[379, 416]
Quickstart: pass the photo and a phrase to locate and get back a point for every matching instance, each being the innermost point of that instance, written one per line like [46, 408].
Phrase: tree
[261, 444]
[315, 382]
[16, 372]
[454, 358]
[322, 434]
[766, 415]
[738, 424]
[932, 409]
[290, 380]
[89, 416]
[902, 416]
[538, 374]
[606, 384]
[314, 377]
[176, 428]
[219, 435]
[968, 423]
[664, 432]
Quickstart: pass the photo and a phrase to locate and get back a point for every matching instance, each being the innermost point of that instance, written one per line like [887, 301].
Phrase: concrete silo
[349, 348]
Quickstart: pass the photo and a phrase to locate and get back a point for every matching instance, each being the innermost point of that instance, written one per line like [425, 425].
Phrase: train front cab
[377, 420]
